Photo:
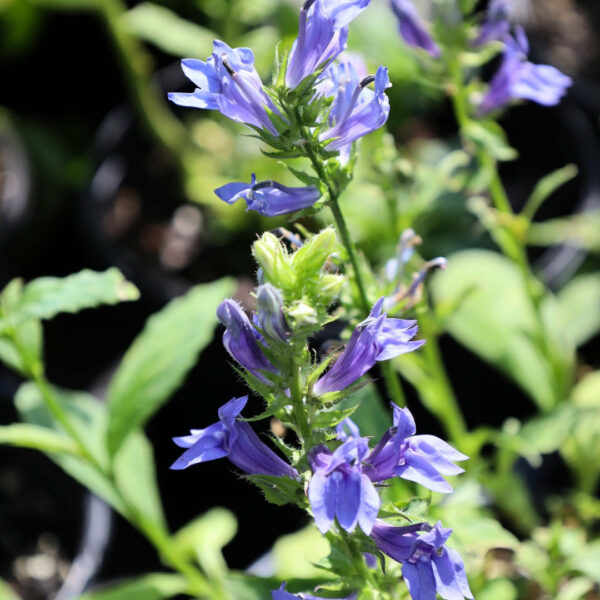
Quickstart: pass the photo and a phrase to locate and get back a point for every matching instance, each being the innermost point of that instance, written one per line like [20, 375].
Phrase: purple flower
[270, 317]
[376, 338]
[412, 30]
[338, 487]
[356, 109]
[518, 78]
[419, 458]
[429, 567]
[234, 439]
[241, 339]
[322, 35]
[281, 594]
[229, 83]
[497, 22]
[269, 198]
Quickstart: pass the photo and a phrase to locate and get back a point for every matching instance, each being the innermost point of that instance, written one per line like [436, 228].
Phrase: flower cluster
[342, 106]
[516, 79]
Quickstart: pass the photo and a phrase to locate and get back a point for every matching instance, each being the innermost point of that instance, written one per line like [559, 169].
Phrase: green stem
[299, 407]
[349, 245]
[446, 405]
[510, 244]
[392, 382]
[333, 204]
[168, 551]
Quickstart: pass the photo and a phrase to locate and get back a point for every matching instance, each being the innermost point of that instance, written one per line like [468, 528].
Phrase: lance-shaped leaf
[155, 586]
[26, 435]
[133, 469]
[45, 297]
[160, 357]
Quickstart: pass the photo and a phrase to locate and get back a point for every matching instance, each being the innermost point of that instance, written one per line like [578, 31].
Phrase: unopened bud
[303, 314]
[270, 312]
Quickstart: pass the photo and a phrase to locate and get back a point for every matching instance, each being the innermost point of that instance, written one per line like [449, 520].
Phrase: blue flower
[412, 30]
[339, 488]
[241, 340]
[234, 439]
[419, 458]
[281, 594]
[229, 83]
[356, 109]
[517, 78]
[376, 338]
[269, 198]
[429, 567]
[322, 35]
[270, 317]
[497, 22]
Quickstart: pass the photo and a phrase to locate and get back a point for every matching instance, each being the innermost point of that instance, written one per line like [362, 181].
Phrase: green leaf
[587, 562]
[160, 357]
[6, 592]
[133, 468]
[294, 554]
[579, 304]
[372, 416]
[249, 587]
[155, 586]
[496, 321]
[498, 589]
[278, 490]
[205, 537]
[575, 589]
[167, 31]
[45, 297]
[545, 187]
[25, 435]
[491, 137]
[582, 447]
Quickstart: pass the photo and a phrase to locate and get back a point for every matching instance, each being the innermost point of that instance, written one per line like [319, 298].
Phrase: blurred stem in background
[505, 230]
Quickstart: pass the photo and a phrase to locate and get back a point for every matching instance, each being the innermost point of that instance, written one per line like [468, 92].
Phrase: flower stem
[299, 407]
[154, 532]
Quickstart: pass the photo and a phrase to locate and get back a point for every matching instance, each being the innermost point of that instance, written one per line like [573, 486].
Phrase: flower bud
[270, 312]
[303, 314]
[330, 287]
[272, 258]
[309, 259]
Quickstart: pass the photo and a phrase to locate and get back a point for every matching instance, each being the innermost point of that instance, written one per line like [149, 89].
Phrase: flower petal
[419, 470]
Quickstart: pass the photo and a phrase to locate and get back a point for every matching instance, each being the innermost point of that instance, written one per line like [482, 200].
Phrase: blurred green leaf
[7, 593]
[155, 586]
[45, 297]
[579, 230]
[160, 357]
[25, 435]
[205, 537]
[545, 187]
[294, 554]
[498, 589]
[169, 32]
[582, 447]
[579, 304]
[495, 320]
[133, 468]
[575, 589]
[547, 433]
[588, 560]
[20, 346]
[489, 136]
[371, 416]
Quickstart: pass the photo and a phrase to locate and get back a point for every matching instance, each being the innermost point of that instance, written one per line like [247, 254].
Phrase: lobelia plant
[359, 489]
[316, 109]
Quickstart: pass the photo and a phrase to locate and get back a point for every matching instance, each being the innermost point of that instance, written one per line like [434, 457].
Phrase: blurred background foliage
[97, 170]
